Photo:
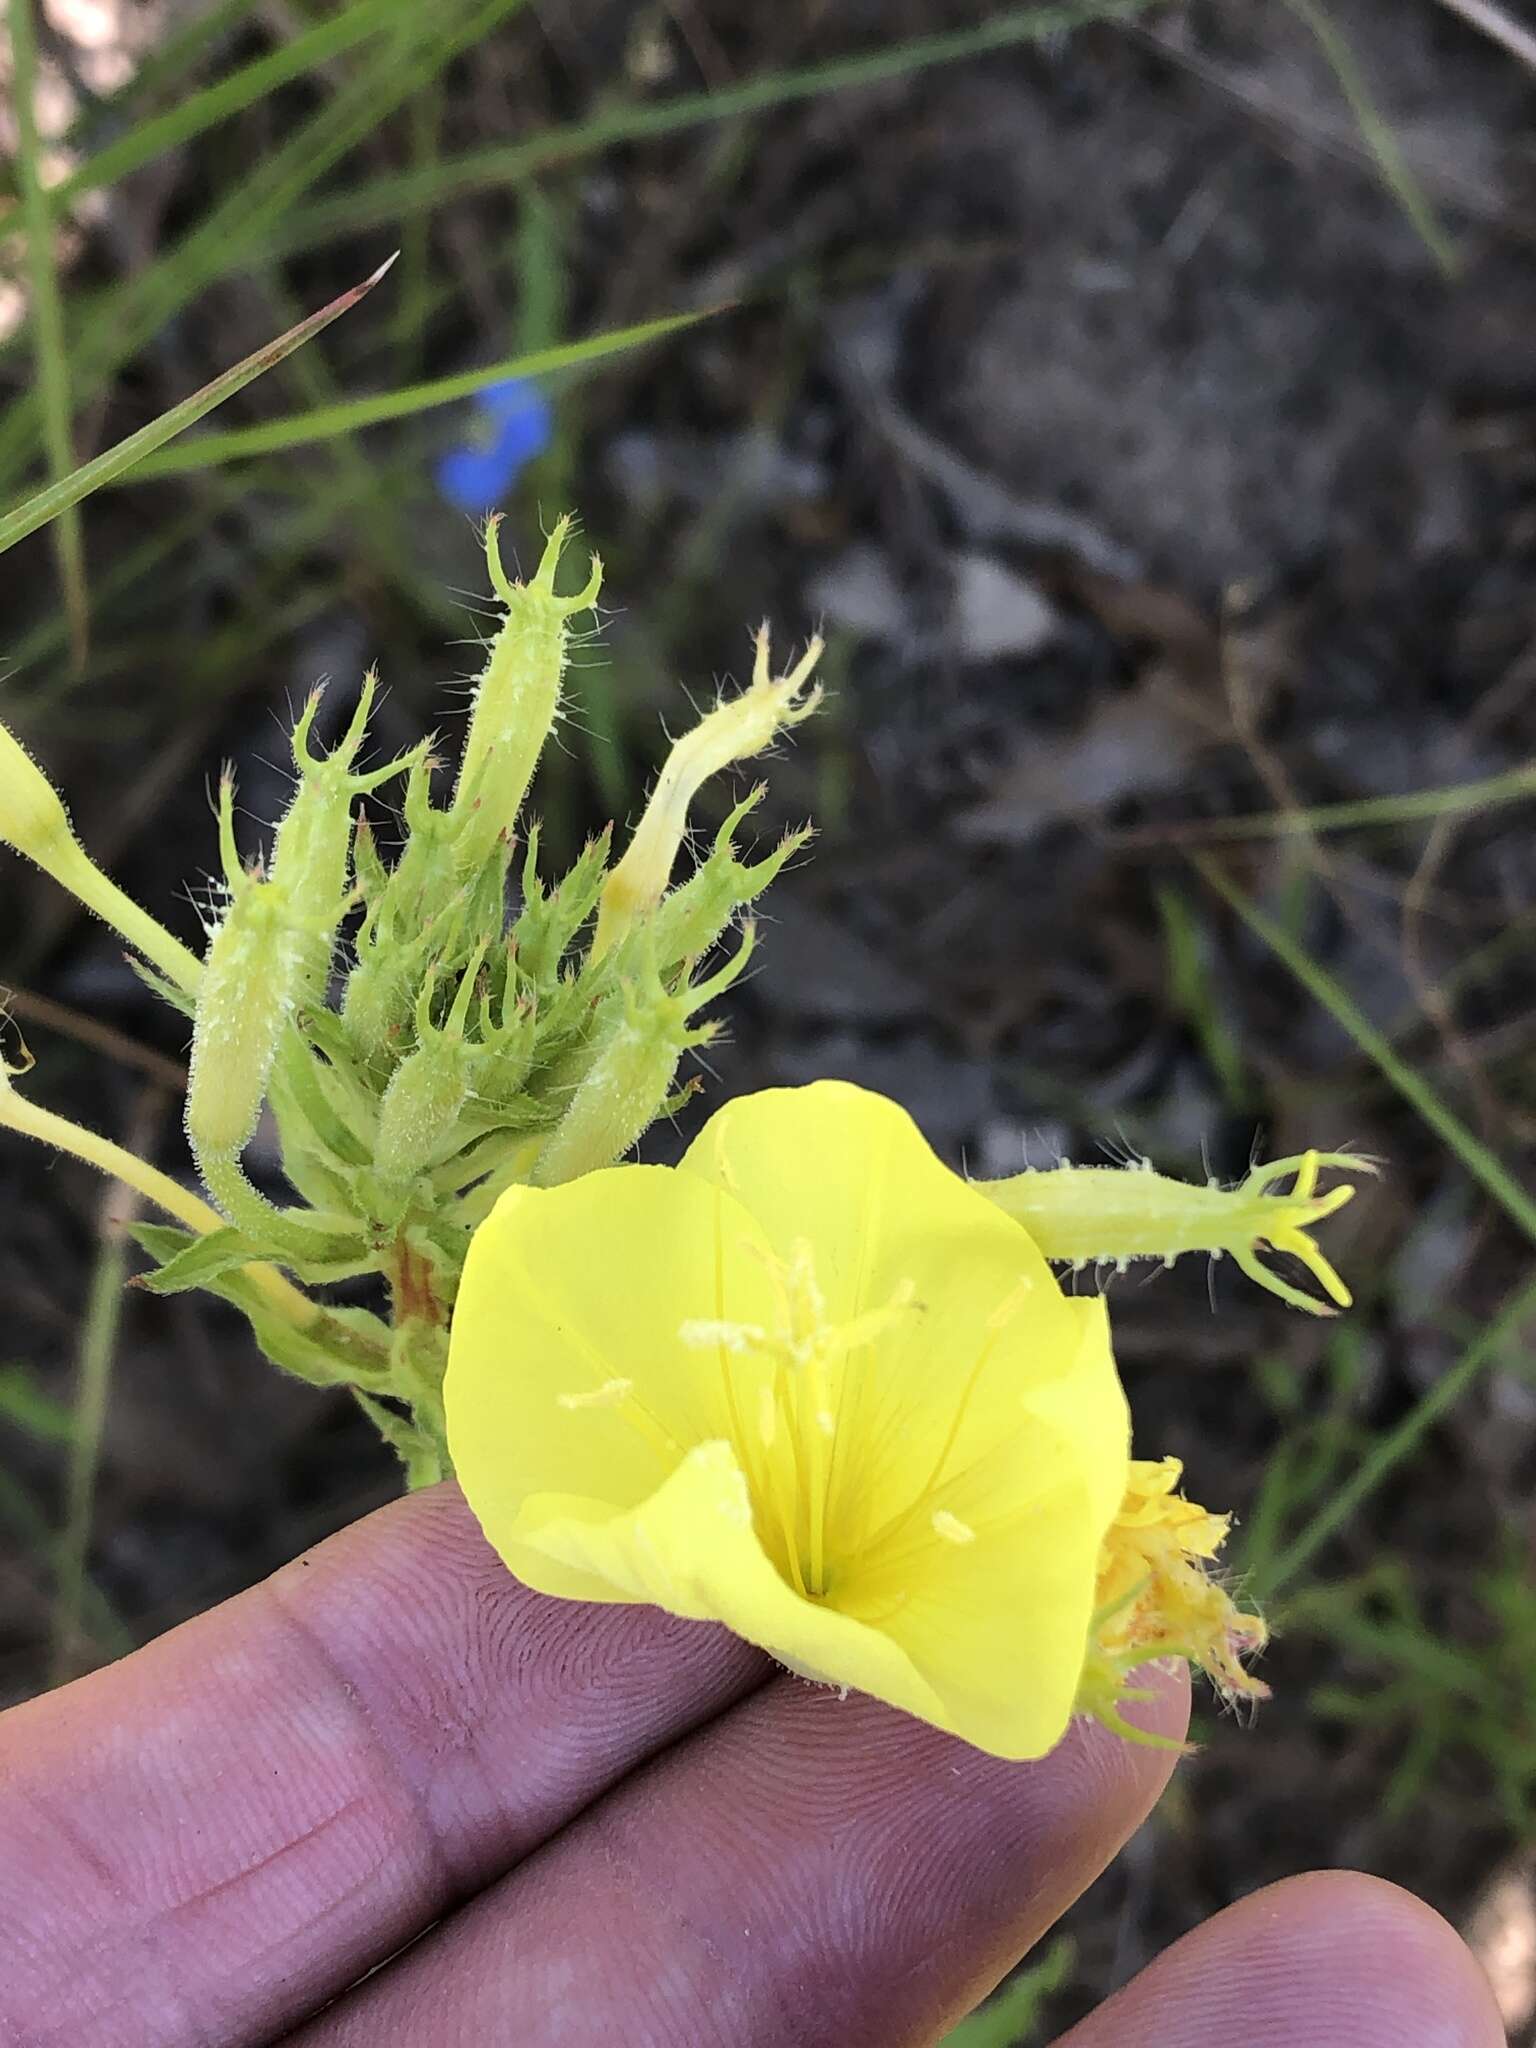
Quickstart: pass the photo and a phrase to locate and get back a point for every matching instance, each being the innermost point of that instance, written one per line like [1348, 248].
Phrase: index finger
[208, 1840]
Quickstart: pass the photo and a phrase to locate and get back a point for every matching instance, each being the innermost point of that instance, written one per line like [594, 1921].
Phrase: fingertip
[1335, 1959]
[1394, 1955]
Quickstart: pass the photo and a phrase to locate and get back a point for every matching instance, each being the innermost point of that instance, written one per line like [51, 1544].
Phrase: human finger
[1332, 1960]
[207, 1840]
[806, 1869]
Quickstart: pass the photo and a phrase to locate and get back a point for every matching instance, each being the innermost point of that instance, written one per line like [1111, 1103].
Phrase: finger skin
[1334, 1960]
[807, 1870]
[204, 1842]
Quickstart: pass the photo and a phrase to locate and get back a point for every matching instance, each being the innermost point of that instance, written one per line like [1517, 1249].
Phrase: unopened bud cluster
[435, 1021]
[432, 1027]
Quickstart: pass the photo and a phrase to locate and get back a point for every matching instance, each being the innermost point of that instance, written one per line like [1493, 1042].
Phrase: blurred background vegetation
[1142, 400]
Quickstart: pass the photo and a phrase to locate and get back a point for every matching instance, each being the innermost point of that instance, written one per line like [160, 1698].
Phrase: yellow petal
[998, 1628]
[989, 1340]
[691, 1549]
[568, 1289]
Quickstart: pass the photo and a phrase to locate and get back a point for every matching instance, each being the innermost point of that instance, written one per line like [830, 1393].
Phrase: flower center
[785, 1391]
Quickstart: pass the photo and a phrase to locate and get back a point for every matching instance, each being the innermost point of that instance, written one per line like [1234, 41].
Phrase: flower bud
[1081, 1215]
[34, 821]
[627, 1084]
[690, 919]
[517, 697]
[733, 731]
[420, 1110]
[252, 979]
[313, 844]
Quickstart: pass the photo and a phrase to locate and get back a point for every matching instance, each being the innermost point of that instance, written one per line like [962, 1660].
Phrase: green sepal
[188, 1260]
[305, 1108]
[692, 918]
[549, 920]
[179, 998]
[422, 1458]
[344, 1347]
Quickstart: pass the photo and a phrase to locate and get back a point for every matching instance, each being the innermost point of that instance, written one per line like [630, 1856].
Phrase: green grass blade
[1482, 1163]
[1195, 996]
[228, 96]
[98, 1347]
[25, 1406]
[242, 226]
[387, 199]
[1390, 1450]
[1415, 807]
[112, 466]
[1377, 133]
[324, 423]
[1012, 2014]
[164, 66]
[31, 1528]
[50, 349]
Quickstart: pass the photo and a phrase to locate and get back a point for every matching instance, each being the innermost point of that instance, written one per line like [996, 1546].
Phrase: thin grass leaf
[1416, 807]
[390, 198]
[165, 65]
[1389, 1451]
[50, 350]
[242, 88]
[1378, 136]
[244, 222]
[325, 422]
[21, 1512]
[25, 1406]
[1011, 2015]
[1195, 996]
[1480, 1161]
[115, 463]
[98, 1348]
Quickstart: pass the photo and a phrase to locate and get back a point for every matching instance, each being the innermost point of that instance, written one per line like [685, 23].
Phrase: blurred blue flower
[516, 422]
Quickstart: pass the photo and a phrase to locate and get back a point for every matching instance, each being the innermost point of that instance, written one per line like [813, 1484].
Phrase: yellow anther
[951, 1528]
[609, 1395]
[704, 1333]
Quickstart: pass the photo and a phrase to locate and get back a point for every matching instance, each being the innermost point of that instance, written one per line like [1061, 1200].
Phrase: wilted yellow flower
[1157, 1597]
[812, 1385]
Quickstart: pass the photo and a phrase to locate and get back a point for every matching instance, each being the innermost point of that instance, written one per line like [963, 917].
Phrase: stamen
[699, 1333]
[853, 1336]
[609, 1395]
[951, 1528]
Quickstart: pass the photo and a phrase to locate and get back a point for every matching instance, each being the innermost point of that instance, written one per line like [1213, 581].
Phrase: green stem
[293, 1233]
[98, 1346]
[30, 1120]
[77, 872]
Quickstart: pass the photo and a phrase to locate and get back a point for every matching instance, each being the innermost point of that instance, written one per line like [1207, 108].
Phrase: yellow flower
[815, 1386]
[1158, 1599]
[810, 1384]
